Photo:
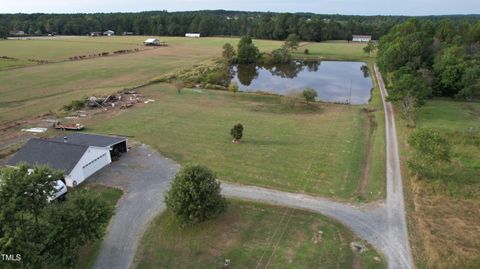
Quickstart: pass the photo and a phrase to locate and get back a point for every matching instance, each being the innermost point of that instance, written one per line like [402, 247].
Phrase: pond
[334, 81]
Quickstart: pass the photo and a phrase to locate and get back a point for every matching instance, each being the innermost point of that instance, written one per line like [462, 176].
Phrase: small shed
[193, 35]
[109, 33]
[361, 38]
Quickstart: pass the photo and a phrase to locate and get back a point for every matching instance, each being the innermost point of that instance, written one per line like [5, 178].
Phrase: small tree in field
[431, 150]
[179, 85]
[228, 52]
[233, 87]
[237, 132]
[292, 42]
[309, 95]
[195, 195]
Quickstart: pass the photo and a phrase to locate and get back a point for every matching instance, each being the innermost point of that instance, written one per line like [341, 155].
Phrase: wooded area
[263, 25]
[422, 59]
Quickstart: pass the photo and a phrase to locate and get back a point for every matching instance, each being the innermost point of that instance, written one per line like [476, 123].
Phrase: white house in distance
[109, 33]
[361, 38]
[78, 155]
[194, 35]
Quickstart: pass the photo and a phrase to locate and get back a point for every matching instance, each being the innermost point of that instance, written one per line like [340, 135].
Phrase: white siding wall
[361, 39]
[192, 35]
[93, 160]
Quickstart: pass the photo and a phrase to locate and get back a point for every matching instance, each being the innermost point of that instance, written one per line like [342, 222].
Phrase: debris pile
[123, 100]
[358, 247]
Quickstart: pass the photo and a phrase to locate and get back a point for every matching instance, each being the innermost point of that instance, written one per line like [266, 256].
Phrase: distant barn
[154, 42]
[361, 38]
[109, 33]
[194, 35]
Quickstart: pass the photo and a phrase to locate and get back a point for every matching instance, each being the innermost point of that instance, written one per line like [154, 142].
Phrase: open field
[89, 253]
[59, 49]
[444, 212]
[334, 50]
[318, 149]
[35, 90]
[253, 235]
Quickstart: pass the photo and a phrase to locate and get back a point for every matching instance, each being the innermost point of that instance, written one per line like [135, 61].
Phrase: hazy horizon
[341, 7]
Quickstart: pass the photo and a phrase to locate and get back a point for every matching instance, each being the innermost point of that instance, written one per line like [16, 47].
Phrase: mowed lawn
[32, 91]
[253, 235]
[61, 48]
[317, 149]
[334, 50]
[444, 212]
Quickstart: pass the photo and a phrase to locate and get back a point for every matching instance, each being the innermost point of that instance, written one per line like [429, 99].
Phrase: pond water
[334, 81]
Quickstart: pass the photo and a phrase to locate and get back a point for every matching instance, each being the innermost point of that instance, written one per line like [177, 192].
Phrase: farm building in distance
[109, 33]
[154, 42]
[78, 155]
[17, 33]
[194, 35]
[361, 38]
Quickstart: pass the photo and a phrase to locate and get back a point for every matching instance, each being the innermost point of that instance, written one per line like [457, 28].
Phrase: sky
[348, 7]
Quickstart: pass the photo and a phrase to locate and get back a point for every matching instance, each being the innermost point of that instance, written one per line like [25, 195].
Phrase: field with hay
[444, 211]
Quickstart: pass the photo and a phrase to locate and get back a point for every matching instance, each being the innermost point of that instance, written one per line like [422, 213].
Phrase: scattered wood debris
[70, 127]
[123, 100]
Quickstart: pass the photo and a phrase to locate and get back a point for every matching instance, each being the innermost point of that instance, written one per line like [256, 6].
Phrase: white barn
[152, 42]
[78, 155]
[194, 35]
[361, 38]
[109, 33]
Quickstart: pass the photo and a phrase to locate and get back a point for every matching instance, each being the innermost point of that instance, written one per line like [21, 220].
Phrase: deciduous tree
[46, 235]
[194, 195]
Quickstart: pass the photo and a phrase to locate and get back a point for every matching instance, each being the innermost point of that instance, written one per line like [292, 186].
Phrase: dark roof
[367, 36]
[57, 155]
[90, 139]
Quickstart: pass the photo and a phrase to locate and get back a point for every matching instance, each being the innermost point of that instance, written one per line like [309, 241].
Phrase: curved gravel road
[145, 175]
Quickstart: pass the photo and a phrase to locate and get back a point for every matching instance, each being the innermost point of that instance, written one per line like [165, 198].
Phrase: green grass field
[317, 149]
[89, 253]
[252, 235]
[35, 90]
[444, 210]
[334, 50]
[59, 49]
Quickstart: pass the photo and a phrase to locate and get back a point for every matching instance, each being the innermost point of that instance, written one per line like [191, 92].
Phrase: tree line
[264, 25]
[422, 59]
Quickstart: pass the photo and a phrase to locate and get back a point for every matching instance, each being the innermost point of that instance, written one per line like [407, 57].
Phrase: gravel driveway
[144, 176]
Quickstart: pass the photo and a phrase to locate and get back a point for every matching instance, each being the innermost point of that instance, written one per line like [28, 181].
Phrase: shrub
[233, 87]
[74, 105]
[306, 51]
[195, 195]
[237, 132]
[430, 150]
[309, 95]
[179, 85]
[291, 98]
